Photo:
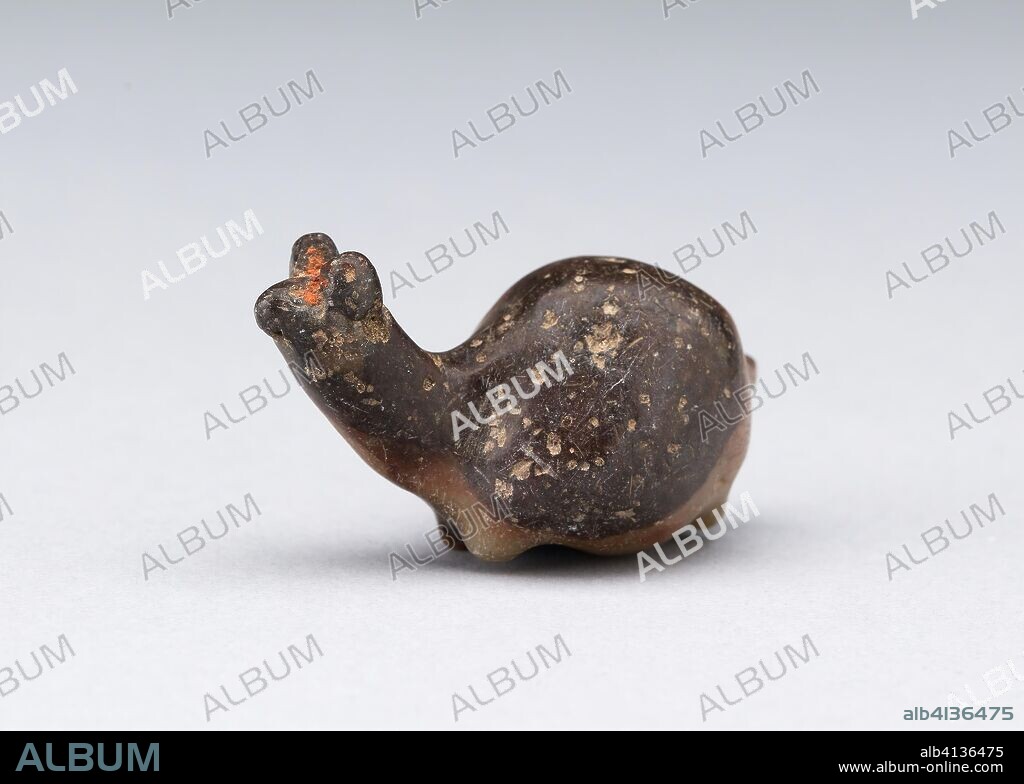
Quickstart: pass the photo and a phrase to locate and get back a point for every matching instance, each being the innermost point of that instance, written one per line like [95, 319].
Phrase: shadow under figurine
[571, 416]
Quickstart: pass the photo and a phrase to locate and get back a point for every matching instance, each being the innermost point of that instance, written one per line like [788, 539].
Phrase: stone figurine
[571, 416]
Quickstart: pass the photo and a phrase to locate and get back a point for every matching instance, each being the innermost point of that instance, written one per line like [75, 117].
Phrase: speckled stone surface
[604, 456]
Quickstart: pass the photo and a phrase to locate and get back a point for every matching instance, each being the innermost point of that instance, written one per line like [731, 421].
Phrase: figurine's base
[504, 541]
[451, 540]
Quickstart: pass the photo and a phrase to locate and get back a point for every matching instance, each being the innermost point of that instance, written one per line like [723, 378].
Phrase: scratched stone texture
[847, 184]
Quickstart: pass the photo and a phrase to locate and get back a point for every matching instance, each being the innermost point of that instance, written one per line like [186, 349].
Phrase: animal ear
[353, 285]
[311, 254]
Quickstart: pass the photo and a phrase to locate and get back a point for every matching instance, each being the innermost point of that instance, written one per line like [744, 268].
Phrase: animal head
[325, 297]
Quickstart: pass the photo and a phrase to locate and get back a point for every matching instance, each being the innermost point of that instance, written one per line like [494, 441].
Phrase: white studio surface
[117, 459]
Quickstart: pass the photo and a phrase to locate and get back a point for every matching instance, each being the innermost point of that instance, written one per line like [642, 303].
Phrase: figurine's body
[570, 415]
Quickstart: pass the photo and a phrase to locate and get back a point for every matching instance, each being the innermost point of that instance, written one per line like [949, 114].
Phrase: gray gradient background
[114, 461]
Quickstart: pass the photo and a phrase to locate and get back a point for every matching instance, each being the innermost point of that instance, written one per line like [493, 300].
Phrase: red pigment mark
[312, 289]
